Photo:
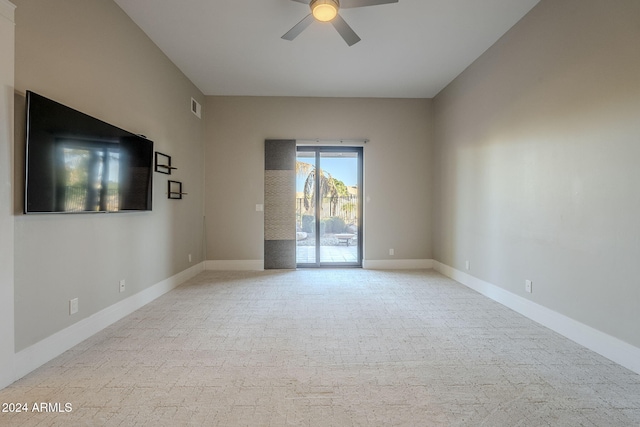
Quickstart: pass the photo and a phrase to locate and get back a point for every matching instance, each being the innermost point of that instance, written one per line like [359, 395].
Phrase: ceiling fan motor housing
[324, 10]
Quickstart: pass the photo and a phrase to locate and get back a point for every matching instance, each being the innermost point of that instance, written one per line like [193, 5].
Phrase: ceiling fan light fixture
[324, 10]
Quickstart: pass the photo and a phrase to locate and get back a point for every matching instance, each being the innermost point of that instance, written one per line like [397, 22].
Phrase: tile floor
[342, 347]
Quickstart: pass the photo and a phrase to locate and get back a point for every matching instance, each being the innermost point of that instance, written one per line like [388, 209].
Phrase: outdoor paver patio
[333, 254]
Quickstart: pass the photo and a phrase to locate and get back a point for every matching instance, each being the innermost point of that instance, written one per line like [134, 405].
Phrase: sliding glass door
[329, 206]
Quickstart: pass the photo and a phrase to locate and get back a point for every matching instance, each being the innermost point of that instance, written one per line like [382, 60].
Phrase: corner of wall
[397, 264]
[235, 265]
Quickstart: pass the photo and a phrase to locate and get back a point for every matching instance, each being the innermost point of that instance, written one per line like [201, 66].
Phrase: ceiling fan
[327, 11]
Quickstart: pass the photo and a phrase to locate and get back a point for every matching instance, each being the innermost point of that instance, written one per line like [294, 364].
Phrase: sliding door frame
[318, 203]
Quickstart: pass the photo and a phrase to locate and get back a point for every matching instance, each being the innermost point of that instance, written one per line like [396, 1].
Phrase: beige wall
[397, 168]
[537, 163]
[6, 214]
[89, 55]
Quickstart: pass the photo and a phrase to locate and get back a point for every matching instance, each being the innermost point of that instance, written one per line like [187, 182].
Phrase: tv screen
[76, 163]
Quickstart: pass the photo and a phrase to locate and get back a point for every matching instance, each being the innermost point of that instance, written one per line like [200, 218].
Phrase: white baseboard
[258, 265]
[397, 264]
[606, 345]
[43, 351]
[235, 265]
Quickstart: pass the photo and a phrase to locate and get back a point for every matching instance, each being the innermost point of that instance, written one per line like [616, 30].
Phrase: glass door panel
[338, 210]
[305, 208]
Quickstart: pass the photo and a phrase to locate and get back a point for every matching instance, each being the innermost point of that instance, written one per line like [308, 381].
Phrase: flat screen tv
[76, 163]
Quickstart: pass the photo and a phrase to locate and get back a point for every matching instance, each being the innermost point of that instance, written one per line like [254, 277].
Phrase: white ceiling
[410, 49]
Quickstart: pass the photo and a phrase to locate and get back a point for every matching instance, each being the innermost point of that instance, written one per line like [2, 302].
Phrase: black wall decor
[163, 163]
[174, 190]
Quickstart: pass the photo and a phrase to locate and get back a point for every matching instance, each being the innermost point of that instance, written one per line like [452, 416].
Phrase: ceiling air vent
[196, 108]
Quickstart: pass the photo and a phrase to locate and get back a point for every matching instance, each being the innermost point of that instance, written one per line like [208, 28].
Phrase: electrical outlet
[392, 251]
[73, 306]
[528, 286]
[122, 285]
[189, 257]
[467, 265]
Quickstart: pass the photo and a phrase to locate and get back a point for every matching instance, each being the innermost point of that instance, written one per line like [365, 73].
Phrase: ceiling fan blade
[298, 28]
[345, 30]
[346, 4]
[302, 1]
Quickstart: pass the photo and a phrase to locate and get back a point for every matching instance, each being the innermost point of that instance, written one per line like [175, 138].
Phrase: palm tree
[329, 187]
